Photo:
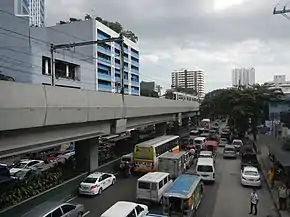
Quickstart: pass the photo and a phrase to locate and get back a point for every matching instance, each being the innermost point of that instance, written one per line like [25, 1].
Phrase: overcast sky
[213, 35]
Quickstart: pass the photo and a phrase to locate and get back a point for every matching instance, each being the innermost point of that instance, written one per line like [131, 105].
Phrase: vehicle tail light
[93, 187]
[213, 175]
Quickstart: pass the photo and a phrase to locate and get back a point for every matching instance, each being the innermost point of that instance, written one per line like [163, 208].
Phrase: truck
[172, 163]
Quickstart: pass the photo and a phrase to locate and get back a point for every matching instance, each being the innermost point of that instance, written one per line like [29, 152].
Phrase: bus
[146, 154]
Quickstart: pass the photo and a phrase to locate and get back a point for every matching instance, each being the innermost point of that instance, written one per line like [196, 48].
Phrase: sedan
[237, 143]
[95, 183]
[250, 177]
[223, 142]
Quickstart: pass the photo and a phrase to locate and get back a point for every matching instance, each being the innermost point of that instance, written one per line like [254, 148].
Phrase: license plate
[251, 180]
[204, 175]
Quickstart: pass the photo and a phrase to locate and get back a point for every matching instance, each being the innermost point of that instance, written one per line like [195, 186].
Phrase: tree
[168, 94]
[149, 93]
[131, 35]
[243, 106]
[88, 17]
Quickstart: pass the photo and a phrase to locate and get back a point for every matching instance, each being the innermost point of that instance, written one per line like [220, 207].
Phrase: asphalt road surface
[226, 198]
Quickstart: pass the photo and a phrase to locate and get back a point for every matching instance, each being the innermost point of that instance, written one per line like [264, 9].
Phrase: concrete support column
[87, 155]
[160, 129]
[46, 67]
[185, 122]
[67, 70]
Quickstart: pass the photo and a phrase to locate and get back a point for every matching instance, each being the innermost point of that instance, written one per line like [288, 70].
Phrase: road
[226, 198]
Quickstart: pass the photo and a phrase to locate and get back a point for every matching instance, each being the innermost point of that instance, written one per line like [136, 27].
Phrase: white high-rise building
[34, 9]
[279, 79]
[243, 77]
[191, 79]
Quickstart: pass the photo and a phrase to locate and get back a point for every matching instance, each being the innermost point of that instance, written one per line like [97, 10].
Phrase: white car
[250, 177]
[205, 154]
[26, 164]
[237, 143]
[95, 183]
[223, 142]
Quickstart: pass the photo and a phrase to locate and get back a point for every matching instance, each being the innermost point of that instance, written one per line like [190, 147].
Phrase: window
[139, 209]
[90, 180]
[153, 186]
[251, 173]
[132, 214]
[56, 213]
[67, 208]
[144, 185]
[166, 179]
[204, 168]
[160, 184]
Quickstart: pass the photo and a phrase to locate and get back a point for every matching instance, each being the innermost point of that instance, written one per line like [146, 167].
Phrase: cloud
[195, 34]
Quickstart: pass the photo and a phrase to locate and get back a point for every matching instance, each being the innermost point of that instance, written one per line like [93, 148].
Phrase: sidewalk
[265, 165]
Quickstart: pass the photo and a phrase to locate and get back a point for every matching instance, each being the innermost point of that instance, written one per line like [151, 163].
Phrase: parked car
[26, 164]
[56, 209]
[250, 176]
[96, 182]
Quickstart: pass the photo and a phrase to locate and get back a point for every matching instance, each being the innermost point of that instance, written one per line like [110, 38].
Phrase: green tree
[88, 17]
[168, 94]
[244, 107]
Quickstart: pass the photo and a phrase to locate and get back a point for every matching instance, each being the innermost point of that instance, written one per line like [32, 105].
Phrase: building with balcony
[92, 67]
[243, 77]
[189, 79]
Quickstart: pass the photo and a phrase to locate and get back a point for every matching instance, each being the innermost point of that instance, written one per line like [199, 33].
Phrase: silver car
[58, 209]
[223, 142]
[229, 152]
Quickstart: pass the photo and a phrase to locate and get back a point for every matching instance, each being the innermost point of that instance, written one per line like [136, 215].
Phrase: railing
[103, 60]
[104, 50]
[104, 87]
[101, 37]
[135, 55]
[135, 83]
[135, 63]
[134, 92]
[134, 71]
[104, 76]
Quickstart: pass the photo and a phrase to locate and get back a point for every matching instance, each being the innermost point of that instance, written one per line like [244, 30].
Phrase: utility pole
[119, 39]
[282, 12]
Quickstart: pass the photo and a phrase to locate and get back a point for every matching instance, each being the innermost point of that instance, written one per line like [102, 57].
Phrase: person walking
[254, 199]
[282, 195]
[270, 176]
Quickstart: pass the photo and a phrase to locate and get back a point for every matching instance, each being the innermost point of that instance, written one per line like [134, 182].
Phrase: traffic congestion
[203, 174]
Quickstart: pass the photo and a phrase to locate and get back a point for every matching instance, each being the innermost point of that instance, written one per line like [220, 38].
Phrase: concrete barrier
[62, 192]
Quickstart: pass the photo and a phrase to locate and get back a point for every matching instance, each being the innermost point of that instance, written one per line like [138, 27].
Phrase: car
[223, 142]
[26, 164]
[205, 154]
[229, 152]
[56, 209]
[95, 183]
[237, 143]
[250, 177]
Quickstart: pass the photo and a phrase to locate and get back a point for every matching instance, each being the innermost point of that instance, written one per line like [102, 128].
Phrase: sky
[213, 35]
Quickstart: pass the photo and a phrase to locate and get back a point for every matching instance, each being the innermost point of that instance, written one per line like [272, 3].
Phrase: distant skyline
[215, 35]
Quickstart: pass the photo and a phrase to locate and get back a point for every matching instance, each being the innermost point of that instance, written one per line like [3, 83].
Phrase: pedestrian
[282, 195]
[270, 176]
[254, 199]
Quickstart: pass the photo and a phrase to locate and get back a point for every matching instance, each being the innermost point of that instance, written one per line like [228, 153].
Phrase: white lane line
[86, 213]
[69, 200]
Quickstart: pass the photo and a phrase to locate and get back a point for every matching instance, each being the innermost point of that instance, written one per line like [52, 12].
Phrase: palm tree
[88, 17]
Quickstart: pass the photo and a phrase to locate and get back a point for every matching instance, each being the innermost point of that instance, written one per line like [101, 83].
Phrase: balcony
[104, 87]
[104, 50]
[126, 59]
[135, 55]
[135, 63]
[104, 61]
[126, 68]
[135, 83]
[135, 92]
[101, 37]
[134, 71]
[126, 90]
[126, 50]
[126, 81]
[103, 76]
[117, 65]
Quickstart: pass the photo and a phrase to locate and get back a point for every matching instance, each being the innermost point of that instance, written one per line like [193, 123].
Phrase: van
[199, 142]
[151, 186]
[205, 168]
[126, 209]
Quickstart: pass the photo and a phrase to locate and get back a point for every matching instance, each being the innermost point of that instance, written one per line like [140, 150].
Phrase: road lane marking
[69, 200]
[86, 213]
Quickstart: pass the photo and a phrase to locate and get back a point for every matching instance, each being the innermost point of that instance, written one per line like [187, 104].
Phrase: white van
[151, 186]
[126, 209]
[199, 141]
[205, 168]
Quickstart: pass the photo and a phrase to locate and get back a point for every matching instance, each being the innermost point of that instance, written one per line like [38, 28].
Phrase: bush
[25, 189]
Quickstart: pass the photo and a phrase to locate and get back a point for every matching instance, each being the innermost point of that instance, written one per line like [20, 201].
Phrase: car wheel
[113, 181]
[80, 214]
[100, 191]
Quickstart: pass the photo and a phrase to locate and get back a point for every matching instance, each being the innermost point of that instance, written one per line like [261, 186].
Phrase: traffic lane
[232, 198]
[124, 189]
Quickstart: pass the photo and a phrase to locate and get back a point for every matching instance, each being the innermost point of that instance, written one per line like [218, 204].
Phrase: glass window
[160, 184]
[67, 208]
[144, 185]
[153, 186]
[165, 180]
[90, 180]
[204, 168]
[132, 214]
[56, 213]
[251, 173]
[139, 209]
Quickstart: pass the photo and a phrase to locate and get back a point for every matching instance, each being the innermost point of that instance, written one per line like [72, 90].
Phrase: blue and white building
[108, 71]
[33, 9]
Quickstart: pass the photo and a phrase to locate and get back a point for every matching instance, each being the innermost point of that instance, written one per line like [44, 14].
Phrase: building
[243, 77]
[150, 86]
[279, 79]
[187, 78]
[33, 9]
[92, 67]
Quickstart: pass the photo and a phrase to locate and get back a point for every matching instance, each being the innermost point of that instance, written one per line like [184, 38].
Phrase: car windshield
[90, 180]
[251, 173]
[197, 142]
[205, 156]
[237, 143]
[204, 168]
[21, 165]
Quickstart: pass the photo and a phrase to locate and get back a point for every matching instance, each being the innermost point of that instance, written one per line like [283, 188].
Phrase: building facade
[33, 9]
[243, 77]
[279, 79]
[92, 67]
[187, 78]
